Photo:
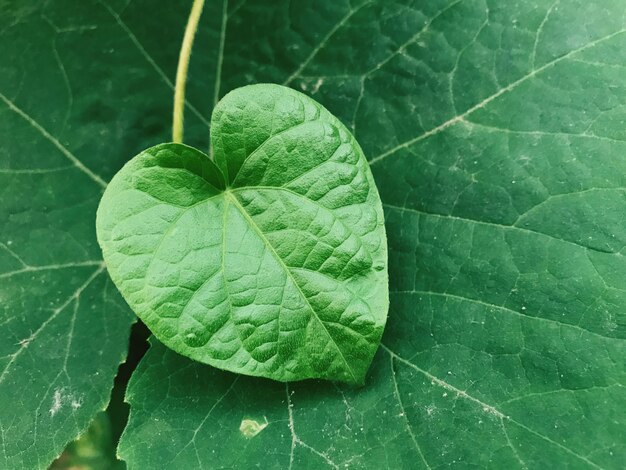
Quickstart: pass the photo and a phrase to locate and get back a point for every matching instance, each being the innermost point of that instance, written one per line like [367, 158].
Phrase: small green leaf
[270, 262]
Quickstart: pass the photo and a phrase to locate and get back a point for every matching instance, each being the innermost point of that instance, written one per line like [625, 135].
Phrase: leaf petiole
[181, 71]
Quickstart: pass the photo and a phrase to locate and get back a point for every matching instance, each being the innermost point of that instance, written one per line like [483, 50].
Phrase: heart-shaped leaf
[271, 261]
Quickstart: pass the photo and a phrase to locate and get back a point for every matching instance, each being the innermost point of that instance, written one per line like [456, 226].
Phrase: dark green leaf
[77, 97]
[495, 134]
[475, 113]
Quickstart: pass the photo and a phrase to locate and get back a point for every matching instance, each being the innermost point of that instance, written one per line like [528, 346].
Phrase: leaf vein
[513, 85]
[53, 140]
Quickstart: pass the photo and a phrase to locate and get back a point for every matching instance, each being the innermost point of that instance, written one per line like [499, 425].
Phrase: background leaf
[495, 133]
[77, 97]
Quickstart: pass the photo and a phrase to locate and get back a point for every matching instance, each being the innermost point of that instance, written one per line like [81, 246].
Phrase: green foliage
[273, 264]
[495, 134]
[94, 450]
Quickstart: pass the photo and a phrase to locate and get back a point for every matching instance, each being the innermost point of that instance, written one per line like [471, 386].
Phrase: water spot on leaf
[250, 427]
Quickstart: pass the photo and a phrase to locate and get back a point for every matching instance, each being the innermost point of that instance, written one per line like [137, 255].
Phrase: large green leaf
[495, 133]
[270, 262]
[505, 335]
[78, 95]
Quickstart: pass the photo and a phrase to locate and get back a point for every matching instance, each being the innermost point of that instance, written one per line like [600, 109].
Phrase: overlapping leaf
[270, 262]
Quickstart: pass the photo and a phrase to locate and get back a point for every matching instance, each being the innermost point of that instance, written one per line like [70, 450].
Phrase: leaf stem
[181, 72]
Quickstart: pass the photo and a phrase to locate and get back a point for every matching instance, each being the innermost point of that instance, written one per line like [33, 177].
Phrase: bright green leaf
[279, 271]
[495, 134]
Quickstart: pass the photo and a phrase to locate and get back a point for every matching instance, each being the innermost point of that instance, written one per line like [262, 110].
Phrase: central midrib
[228, 194]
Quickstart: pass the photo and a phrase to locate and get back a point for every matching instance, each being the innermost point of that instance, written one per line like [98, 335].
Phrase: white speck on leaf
[317, 85]
[56, 402]
[59, 398]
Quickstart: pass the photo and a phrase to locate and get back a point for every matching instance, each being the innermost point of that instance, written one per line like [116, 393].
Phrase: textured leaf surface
[75, 90]
[279, 271]
[495, 134]
[482, 114]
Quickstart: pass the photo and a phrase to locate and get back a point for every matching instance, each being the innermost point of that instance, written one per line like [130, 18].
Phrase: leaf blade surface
[279, 271]
[504, 328]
